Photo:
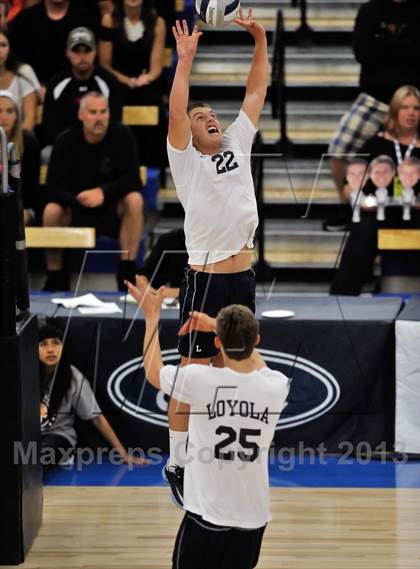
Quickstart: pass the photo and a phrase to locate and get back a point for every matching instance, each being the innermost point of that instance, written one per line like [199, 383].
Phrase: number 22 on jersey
[225, 162]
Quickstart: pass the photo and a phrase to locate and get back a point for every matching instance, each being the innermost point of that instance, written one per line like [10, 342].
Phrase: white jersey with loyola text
[232, 421]
[217, 194]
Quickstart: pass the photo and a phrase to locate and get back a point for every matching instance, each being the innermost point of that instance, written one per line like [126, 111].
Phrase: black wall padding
[21, 484]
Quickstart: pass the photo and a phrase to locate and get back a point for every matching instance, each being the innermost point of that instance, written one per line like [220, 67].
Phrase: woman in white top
[20, 80]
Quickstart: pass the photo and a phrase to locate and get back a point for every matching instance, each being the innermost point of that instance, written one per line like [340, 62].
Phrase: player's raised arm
[179, 123]
[256, 87]
[149, 301]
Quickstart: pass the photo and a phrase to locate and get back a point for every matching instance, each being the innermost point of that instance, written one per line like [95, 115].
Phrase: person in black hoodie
[386, 43]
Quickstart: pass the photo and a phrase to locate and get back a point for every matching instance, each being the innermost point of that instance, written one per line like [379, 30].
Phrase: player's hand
[186, 44]
[91, 198]
[256, 30]
[198, 321]
[148, 299]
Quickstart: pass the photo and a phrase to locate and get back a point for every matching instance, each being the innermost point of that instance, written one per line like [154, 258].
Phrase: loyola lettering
[234, 407]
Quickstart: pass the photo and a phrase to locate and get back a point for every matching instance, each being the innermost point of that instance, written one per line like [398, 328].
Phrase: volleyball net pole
[7, 245]
[14, 292]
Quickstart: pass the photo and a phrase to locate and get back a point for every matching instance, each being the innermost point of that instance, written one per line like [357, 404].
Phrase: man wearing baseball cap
[83, 75]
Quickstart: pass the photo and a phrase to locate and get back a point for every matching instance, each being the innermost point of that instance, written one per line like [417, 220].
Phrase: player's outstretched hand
[248, 23]
[148, 299]
[186, 44]
[198, 321]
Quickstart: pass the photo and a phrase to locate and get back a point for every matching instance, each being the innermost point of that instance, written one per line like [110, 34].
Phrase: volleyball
[217, 12]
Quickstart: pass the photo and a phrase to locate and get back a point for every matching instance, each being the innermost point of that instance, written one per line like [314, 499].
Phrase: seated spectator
[20, 80]
[39, 34]
[132, 47]
[64, 394]
[386, 43]
[93, 181]
[401, 138]
[64, 91]
[29, 153]
[166, 263]
[362, 244]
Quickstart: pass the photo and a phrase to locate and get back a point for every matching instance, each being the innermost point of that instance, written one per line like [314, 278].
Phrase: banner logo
[313, 391]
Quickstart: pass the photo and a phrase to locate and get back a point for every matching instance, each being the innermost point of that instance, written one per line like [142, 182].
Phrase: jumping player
[212, 174]
[234, 412]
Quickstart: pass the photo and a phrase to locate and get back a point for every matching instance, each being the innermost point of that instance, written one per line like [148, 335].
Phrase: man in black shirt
[39, 34]
[93, 181]
[64, 90]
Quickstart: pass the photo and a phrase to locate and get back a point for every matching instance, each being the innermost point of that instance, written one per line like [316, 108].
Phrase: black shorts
[202, 545]
[209, 292]
[104, 219]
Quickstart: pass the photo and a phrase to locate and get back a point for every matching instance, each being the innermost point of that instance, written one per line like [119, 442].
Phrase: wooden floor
[127, 528]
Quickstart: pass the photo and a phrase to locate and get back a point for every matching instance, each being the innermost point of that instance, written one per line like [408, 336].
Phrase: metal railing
[263, 271]
[278, 82]
[304, 31]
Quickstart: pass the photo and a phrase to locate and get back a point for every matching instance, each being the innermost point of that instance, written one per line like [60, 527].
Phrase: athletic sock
[177, 448]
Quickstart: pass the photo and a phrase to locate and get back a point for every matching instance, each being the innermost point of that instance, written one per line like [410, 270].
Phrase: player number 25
[245, 443]
[225, 162]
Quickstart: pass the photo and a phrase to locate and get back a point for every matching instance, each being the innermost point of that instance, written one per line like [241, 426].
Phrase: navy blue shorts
[209, 292]
[200, 544]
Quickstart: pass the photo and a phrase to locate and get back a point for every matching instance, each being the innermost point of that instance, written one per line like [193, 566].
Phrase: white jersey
[217, 194]
[231, 425]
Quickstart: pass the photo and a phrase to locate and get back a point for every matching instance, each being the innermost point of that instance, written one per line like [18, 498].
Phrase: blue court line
[288, 472]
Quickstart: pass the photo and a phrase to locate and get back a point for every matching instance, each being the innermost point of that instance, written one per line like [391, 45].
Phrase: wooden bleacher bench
[44, 171]
[399, 239]
[132, 115]
[140, 115]
[60, 237]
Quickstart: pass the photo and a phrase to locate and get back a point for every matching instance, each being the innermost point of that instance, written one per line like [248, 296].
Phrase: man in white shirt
[234, 412]
[212, 174]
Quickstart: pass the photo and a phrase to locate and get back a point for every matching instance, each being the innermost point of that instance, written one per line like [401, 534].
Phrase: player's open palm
[186, 43]
[249, 24]
[148, 298]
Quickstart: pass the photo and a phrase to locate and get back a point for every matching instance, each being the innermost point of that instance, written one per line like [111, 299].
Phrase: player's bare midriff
[234, 264]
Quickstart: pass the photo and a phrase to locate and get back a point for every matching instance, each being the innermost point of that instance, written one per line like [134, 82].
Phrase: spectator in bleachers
[39, 34]
[20, 80]
[132, 47]
[401, 137]
[362, 244]
[386, 43]
[29, 153]
[93, 181]
[65, 89]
